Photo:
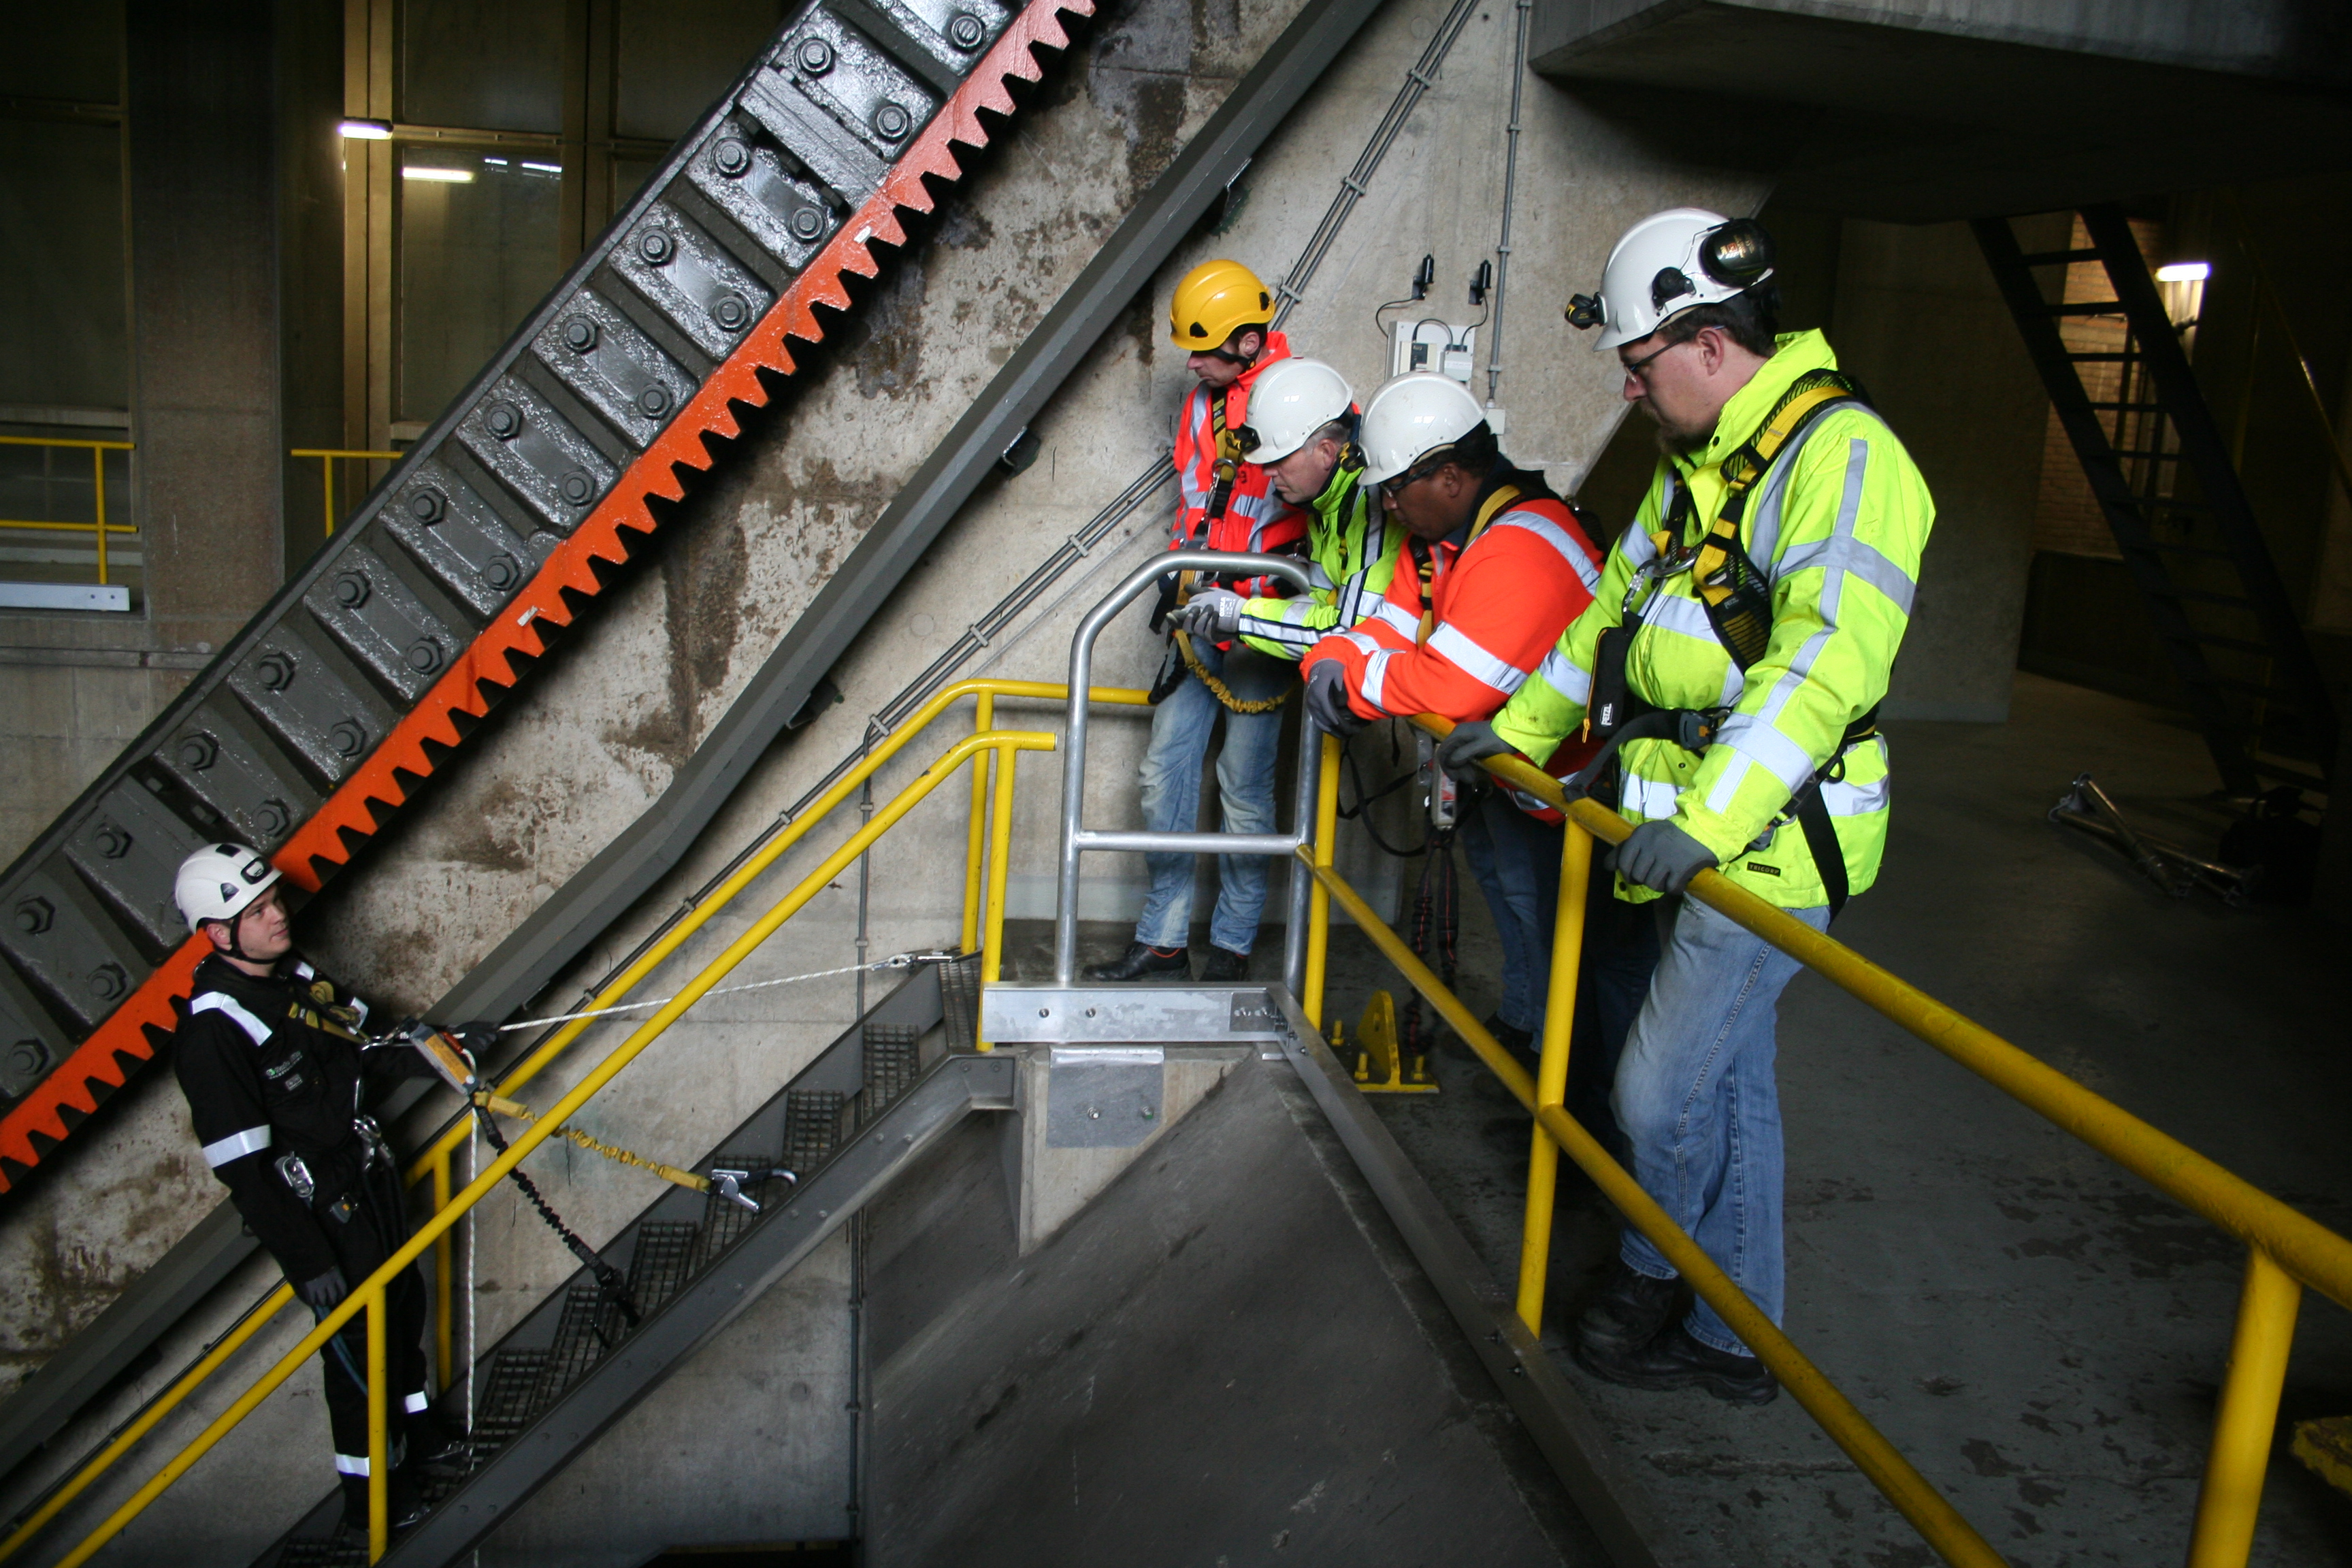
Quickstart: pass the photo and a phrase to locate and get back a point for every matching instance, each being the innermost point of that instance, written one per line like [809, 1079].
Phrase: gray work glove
[1661, 856]
[324, 1293]
[1327, 700]
[1214, 614]
[1472, 739]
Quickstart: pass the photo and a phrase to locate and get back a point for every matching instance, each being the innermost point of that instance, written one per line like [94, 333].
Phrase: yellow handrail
[327, 456]
[2286, 1249]
[369, 1294]
[98, 528]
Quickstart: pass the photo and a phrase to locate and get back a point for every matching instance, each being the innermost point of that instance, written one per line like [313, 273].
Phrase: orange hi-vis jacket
[1255, 517]
[1466, 619]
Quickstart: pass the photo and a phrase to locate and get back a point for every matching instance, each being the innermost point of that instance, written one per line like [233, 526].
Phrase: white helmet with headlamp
[219, 882]
[1667, 263]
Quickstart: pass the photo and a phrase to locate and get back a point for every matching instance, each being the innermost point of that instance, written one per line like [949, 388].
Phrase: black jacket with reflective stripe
[271, 1066]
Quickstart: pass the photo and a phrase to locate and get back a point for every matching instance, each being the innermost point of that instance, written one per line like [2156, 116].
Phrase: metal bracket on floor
[1381, 1065]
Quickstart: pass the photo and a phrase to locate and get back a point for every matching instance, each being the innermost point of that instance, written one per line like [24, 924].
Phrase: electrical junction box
[1432, 344]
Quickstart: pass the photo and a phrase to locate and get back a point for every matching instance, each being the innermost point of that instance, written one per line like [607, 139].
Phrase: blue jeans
[1180, 728]
[1697, 1098]
[1516, 860]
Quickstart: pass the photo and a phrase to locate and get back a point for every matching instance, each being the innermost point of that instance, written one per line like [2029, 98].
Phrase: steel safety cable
[896, 961]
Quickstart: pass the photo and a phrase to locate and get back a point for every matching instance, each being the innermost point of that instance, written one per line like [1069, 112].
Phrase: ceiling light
[441, 176]
[543, 168]
[364, 131]
[497, 163]
[2185, 272]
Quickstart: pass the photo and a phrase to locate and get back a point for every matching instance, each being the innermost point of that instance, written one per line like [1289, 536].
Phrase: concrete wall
[598, 732]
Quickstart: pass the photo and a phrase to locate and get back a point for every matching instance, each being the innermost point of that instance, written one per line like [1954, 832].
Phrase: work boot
[1224, 966]
[405, 1506]
[1520, 1042]
[1627, 1311]
[1144, 962]
[1675, 1360]
[433, 1449]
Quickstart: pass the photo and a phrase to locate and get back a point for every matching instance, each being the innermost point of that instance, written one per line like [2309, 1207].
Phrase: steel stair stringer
[91, 897]
[848, 1123]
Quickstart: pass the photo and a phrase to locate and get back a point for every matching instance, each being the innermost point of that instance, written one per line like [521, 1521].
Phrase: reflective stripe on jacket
[1255, 519]
[1838, 523]
[1354, 546]
[1497, 603]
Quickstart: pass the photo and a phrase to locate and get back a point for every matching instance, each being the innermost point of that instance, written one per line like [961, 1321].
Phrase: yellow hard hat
[1216, 300]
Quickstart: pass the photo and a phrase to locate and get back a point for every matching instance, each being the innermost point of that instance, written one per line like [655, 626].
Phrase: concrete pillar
[199, 92]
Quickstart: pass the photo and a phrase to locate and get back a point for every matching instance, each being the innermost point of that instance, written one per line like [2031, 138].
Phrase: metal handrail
[98, 528]
[2286, 1249]
[328, 456]
[1076, 837]
[369, 1295]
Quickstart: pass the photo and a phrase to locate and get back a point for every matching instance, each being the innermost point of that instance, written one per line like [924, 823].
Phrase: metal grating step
[960, 996]
[346, 1550]
[723, 1223]
[812, 1128]
[891, 1052]
[663, 1261]
[505, 1406]
[590, 1326]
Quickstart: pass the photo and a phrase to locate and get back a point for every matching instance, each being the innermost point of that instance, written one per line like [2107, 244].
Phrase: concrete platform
[2040, 1332]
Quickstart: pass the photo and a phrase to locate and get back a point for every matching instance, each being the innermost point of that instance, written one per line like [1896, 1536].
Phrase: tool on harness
[1736, 596]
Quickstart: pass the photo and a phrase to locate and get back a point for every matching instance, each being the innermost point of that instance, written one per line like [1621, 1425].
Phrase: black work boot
[405, 1506]
[1224, 966]
[1627, 1311]
[1520, 1042]
[1143, 962]
[1675, 1360]
[434, 1449]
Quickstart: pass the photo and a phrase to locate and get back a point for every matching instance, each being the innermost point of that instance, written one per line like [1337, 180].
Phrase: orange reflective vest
[1253, 517]
[1464, 622]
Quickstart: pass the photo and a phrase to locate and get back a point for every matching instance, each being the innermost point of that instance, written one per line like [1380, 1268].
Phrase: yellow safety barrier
[97, 527]
[328, 458]
[369, 1295]
[2286, 1249]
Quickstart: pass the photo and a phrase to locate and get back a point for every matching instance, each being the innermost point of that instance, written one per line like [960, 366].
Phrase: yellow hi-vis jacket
[1354, 545]
[1837, 523]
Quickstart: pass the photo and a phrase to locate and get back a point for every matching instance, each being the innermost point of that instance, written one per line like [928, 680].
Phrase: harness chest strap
[1493, 508]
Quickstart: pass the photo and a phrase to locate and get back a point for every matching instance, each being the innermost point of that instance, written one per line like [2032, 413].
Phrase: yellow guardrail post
[379, 1486]
[1551, 1072]
[98, 528]
[444, 1260]
[2247, 1421]
[1930, 1513]
[983, 718]
[1318, 906]
[999, 867]
[327, 456]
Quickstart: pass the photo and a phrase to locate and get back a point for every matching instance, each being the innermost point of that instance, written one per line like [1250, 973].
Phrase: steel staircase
[844, 1127]
[2163, 479]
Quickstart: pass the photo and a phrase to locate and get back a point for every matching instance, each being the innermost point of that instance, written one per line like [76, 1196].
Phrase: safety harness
[1226, 470]
[1737, 596]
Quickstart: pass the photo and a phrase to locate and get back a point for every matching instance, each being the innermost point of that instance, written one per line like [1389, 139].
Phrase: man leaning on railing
[1731, 664]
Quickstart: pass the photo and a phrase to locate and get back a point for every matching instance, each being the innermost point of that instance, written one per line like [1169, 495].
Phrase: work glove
[1327, 700]
[1661, 856]
[1458, 753]
[1215, 615]
[323, 1294]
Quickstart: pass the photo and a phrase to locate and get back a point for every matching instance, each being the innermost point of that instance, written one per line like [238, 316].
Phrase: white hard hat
[1667, 263]
[1410, 417]
[218, 881]
[1291, 400]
